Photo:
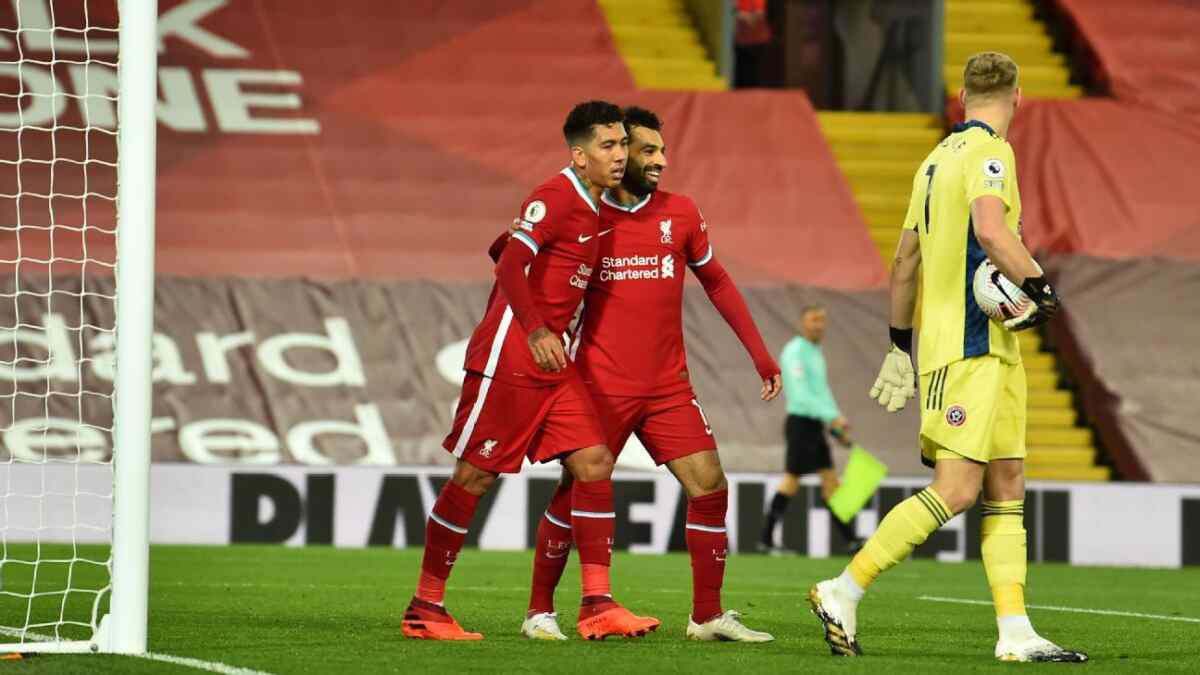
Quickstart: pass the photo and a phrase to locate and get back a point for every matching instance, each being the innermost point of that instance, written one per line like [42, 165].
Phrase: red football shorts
[670, 427]
[498, 424]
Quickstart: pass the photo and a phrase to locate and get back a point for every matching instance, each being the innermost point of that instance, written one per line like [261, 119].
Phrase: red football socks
[707, 544]
[592, 520]
[553, 547]
[445, 532]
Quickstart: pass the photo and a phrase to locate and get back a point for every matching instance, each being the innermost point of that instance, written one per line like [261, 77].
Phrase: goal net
[77, 92]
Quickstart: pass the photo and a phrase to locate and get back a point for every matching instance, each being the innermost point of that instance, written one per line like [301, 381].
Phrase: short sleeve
[991, 171]
[699, 251]
[541, 217]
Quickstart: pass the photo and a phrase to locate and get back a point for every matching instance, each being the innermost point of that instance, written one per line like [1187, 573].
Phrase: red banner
[394, 140]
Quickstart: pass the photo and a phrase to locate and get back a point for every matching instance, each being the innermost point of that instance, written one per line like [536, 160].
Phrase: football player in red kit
[628, 346]
[522, 397]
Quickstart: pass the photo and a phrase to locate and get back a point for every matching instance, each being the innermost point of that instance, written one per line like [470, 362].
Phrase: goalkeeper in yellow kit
[965, 207]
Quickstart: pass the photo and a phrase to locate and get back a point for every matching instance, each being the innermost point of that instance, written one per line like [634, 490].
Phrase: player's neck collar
[609, 199]
[963, 126]
[569, 172]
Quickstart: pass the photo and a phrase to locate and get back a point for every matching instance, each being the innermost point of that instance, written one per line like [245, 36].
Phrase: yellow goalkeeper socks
[902, 530]
[1003, 544]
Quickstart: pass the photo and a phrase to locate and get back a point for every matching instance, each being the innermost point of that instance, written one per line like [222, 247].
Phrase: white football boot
[837, 612]
[1035, 648]
[726, 626]
[542, 626]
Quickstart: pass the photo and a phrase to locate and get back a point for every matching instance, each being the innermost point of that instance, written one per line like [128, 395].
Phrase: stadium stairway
[661, 45]
[1008, 26]
[878, 153]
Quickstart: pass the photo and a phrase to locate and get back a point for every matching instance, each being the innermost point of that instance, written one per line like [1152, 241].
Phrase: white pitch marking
[1077, 610]
[210, 666]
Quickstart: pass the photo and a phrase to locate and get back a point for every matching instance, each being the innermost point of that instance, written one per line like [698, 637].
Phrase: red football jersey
[559, 224]
[629, 340]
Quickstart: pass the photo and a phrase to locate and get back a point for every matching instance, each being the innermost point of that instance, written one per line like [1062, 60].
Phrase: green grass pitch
[322, 610]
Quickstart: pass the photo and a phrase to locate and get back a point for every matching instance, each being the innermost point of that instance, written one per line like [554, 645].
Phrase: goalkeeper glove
[1038, 312]
[897, 380]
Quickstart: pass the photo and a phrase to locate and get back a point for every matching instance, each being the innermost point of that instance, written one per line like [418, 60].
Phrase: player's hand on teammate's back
[547, 348]
[895, 384]
[1042, 309]
[771, 387]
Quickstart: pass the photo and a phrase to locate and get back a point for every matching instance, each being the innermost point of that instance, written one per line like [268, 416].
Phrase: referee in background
[811, 408]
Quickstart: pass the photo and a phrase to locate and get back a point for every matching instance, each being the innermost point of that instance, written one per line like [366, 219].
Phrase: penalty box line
[1076, 610]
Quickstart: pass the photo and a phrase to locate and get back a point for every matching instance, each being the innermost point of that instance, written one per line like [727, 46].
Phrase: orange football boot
[601, 616]
[428, 621]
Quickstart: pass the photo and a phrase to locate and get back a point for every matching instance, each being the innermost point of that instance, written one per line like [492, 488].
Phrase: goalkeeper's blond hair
[988, 76]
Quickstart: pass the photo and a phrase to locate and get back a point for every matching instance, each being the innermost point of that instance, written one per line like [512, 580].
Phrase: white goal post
[94, 572]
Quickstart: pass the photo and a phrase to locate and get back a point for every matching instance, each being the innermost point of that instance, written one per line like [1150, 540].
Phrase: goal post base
[51, 647]
[39, 643]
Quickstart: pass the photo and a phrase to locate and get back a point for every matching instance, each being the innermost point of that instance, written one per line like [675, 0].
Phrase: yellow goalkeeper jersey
[971, 162]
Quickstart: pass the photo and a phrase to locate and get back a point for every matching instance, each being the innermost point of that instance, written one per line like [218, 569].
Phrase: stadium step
[878, 153]
[1013, 28]
[663, 50]
[661, 46]
[675, 73]
[1061, 456]
[958, 54]
[1052, 399]
[896, 203]
[1052, 436]
[854, 151]
[1036, 362]
[1036, 77]
[1041, 381]
[916, 137]
[1056, 416]
[850, 119]
[1017, 45]
[1073, 473]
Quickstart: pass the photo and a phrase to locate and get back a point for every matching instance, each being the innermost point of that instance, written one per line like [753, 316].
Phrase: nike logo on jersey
[605, 232]
[552, 556]
[583, 238]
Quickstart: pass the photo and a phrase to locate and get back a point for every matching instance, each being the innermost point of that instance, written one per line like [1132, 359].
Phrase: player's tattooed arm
[905, 266]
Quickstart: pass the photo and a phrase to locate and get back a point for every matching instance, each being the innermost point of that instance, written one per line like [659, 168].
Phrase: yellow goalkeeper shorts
[974, 408]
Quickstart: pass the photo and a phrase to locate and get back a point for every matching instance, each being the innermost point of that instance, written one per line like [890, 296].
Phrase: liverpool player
[523, 398]
[629, 348]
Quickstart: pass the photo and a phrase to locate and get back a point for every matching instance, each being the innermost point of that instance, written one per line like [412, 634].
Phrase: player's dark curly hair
[578, 127]
[640, 117]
